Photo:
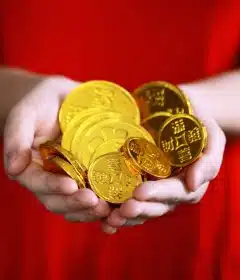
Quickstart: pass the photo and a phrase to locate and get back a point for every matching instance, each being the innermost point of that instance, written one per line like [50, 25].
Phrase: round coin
[111, 179]
[154, 122]
[69, 170]
[104, 131]
[182, 139]
[88, 122]
[68, 135]
[50, 149]
[161, 97]
[100, 94]
[110, 146]
[147, 157]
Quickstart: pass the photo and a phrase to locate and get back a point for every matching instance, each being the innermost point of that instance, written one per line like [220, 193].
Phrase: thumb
[18, 138]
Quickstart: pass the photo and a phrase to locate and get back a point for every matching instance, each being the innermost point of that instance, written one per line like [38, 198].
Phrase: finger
[102, 209]
[40, 181]
[171, 190]
[134, 208]
[108, 229]
[207, 167]
[116, 220]
[61, 204]
[18, 138]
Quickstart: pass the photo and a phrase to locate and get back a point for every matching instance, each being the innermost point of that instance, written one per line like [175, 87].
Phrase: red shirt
[129, 42]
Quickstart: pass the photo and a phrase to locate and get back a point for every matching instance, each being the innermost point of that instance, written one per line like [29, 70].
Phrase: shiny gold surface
[147, 157]
[182, 139]
[161, 97]
[50, 149]
[104, 131]
[69, 170]
[100, 94]
[73, 125]
[111, 179]
[154, 123]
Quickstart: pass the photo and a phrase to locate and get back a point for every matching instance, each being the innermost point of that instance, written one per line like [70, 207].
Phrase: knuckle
[52, 183]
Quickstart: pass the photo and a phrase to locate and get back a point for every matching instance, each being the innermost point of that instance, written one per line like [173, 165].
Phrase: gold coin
[161, 97]
[154, 122]
[69, 170]
[68, 135]
[110, 146]
[104, 131]
[111, 180]
[147, 157]
[101, 94]
[88, 122]
[182, 139]
[46, 154]
[50, 149]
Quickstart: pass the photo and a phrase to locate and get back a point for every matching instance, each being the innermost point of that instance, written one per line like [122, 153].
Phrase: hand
[156, 198]
[31, 122]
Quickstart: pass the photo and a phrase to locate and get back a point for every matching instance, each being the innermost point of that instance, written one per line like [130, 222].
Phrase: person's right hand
[31, 122]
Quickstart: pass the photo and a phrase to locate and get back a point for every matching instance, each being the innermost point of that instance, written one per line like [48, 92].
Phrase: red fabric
[129, 42]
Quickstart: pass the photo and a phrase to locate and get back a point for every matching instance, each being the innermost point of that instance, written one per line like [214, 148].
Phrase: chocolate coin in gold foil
[110, 146]
[68, 135]
[147, 157]
[50, 149]
[154, 122]
[104, 131]
[82, 130]
[182, 139]
[111, 179]
[161, 97]
[69, 170]
[100, 94]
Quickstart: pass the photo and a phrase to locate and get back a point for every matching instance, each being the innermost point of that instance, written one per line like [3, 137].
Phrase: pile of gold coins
[112, 140]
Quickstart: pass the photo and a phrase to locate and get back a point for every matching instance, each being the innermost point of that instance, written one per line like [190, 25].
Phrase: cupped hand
[31, 122]
[156, 198]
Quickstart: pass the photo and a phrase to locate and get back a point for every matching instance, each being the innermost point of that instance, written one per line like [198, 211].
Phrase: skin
[30, 117]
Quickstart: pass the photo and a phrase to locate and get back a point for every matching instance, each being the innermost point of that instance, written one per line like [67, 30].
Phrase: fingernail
[110, 230]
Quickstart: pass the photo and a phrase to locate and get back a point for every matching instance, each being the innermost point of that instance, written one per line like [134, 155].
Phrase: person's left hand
[156, 198]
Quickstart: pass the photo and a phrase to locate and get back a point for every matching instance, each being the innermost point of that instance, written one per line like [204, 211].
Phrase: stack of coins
[109, 146]
[58, 160]
[168, 115]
